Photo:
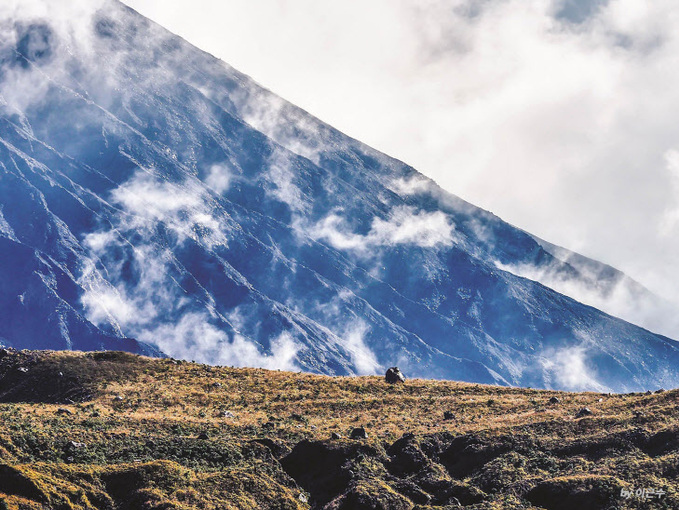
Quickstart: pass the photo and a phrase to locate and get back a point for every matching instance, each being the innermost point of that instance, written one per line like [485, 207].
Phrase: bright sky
[560, 116]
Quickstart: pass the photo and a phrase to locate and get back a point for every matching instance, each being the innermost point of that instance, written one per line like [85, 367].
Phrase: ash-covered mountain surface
[148, 191]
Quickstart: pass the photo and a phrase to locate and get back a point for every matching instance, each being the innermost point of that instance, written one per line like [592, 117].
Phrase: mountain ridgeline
[155, 200]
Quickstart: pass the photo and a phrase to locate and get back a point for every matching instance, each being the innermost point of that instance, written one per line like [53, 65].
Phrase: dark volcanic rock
[324, 468]
[406, 456]
[277, 448]
[14, 482]
[554, 400]
[465, 454]
[662, 442]
[414, 493]
[583, 493]
[33, 377]
[359, 433]
[394, 376]
[585, 411]
[370, 495]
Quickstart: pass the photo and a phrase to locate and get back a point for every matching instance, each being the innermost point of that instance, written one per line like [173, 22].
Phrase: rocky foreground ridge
[110, 430]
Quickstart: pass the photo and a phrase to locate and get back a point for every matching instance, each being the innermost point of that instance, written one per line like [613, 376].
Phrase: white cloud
[624, 299]
[670, 220]
[279, 178]
[568, 368]
[412, 186]
[193, 337]
[362, 357]
[404, 225]
[219, 178]
[185, 209]
[267, 112]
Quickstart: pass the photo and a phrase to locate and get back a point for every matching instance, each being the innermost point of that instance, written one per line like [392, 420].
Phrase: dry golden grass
[144, 411]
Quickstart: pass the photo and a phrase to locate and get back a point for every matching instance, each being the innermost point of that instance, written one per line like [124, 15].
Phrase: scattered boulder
[203, 436]
[359, 433]
[4, 353]
[448, 415]
[217, 385]
[118, 398]
[225, 414]
[74, 445]
[23, 370]
[554, 400]
[394, 376]
[585, 411]
[661, 390]
[63, 410]
[335, 435]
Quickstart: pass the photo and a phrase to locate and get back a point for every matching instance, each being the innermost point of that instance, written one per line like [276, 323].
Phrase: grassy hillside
[116, 431]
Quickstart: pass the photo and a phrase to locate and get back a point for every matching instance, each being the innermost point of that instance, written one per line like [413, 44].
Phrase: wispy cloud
[193, 337]
[363, 358]
[410, 186]
[621, 297]
[279, 179]
[570, 369]
[404, 225]
[219, 178]
[185, 208]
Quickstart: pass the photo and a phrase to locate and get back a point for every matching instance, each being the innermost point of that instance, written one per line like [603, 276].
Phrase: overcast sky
[560, 116]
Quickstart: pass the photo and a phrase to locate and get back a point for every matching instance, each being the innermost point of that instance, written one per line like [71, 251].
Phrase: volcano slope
[154, 199]
[116, 431]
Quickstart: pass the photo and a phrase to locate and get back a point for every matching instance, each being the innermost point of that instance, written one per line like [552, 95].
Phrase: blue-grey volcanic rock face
[149, 191]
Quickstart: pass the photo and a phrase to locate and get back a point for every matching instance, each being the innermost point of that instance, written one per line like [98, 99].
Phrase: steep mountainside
[149, 191]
